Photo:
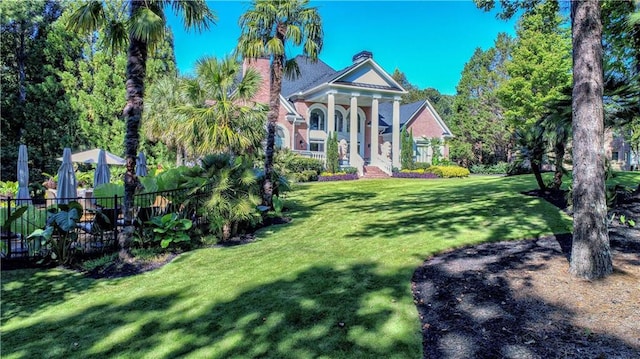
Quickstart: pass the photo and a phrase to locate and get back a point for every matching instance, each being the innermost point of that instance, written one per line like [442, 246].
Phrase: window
[349, 123]
[279, 139]
[339, 122]
[423, 152]
[615, 156]
[316, 119]
[316, 146]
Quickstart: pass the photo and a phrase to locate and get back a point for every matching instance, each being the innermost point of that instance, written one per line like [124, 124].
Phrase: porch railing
[321, 156]
[383, 163]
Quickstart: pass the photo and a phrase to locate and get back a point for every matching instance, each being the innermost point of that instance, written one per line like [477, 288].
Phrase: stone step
[374, 172]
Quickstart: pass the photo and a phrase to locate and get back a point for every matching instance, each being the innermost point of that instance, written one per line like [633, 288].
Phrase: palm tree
[218, 114]
[266, 29]
[142, 29]
[159, 117]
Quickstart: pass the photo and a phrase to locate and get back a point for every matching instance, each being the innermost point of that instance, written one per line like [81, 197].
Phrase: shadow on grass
[307, 316]
[470, 310]
[445, 212]
[25, 291]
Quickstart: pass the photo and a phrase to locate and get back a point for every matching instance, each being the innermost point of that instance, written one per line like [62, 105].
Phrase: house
[322, 100]
[620, 152]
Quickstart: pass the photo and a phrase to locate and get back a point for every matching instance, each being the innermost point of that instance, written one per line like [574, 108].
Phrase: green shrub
[299, 164]
[169, 229]
[498, 168]
[349, 170]
[421, 165]
[448, 171]
[306, 176]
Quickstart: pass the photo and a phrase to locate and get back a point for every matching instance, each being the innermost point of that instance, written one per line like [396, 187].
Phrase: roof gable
[367, 74]
[408, 113]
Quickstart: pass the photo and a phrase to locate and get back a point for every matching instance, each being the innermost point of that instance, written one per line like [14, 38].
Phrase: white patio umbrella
[91, 156]
[141, 165]
[23, 176]
[67, 183]
[102, 174]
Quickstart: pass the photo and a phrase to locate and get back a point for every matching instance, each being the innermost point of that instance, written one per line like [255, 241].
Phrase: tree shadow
[25, 291]
[306, 316]
[469, 309]
[445, 214]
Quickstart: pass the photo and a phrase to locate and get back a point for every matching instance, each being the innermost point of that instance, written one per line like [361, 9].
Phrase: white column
[353, 130]
[374, 128]
[395, 137]
[331, 113]
[331, 120]
[293, 135]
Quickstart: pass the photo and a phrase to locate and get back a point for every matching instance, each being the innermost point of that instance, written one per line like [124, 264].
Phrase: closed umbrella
[23, 176]
[67, 183]
[141, 165]
[102, 174]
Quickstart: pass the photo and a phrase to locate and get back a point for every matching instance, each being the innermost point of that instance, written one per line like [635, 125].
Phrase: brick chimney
[361, 56]
[262, 66]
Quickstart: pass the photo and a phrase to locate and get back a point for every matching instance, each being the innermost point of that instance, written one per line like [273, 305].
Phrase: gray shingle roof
[385, 109]
[311, 75]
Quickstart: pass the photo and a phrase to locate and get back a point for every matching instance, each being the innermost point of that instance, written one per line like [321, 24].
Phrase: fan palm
[218, 114]
[141, 30]
[159, 116]
[266, 28]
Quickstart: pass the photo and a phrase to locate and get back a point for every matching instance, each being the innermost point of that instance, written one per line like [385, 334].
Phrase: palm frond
[147, 26]
[87, 18]
[195, 14]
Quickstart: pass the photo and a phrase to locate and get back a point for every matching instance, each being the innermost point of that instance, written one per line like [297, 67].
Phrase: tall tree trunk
[590, 253]
[559, 150]
[535, 168]
[274, 110]
[136, 71]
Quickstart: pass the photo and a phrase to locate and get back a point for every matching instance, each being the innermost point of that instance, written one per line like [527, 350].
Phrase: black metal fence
[101, 220]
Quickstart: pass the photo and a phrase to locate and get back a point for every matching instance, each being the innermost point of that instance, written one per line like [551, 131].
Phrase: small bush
[349, 170]
[299, 164]
[421, 165]
[498, 168]
[449, 171]
[306, 176]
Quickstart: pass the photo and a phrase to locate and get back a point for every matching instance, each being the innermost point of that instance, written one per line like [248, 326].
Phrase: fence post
[8, 230]
[115, 224]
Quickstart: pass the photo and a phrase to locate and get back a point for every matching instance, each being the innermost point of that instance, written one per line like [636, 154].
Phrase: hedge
[448, 171]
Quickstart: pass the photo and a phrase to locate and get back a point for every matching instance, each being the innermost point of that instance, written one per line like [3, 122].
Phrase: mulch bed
[517, 299]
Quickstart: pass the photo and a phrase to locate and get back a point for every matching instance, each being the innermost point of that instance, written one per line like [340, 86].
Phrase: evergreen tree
[333, 157]
[406, 149]
[482, 136]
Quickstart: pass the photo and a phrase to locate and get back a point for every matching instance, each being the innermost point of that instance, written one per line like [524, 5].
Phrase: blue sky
[430, 41]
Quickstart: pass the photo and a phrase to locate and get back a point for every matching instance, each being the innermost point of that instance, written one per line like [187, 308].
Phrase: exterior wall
[616, 144]
[424, 124]
[261, 65]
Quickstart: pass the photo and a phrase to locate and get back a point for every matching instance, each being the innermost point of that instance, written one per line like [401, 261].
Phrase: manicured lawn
[335, 282]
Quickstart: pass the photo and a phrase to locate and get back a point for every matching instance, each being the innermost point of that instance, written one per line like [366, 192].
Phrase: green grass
[335, 282]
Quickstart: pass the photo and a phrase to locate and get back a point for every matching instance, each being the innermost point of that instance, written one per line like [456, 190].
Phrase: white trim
[377, 67]
[342, 111]
[446, 131]
[288, 106]
[286, 140]
[318, 106]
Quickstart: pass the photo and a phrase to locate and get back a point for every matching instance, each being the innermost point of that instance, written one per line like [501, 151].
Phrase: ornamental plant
[333, 160]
